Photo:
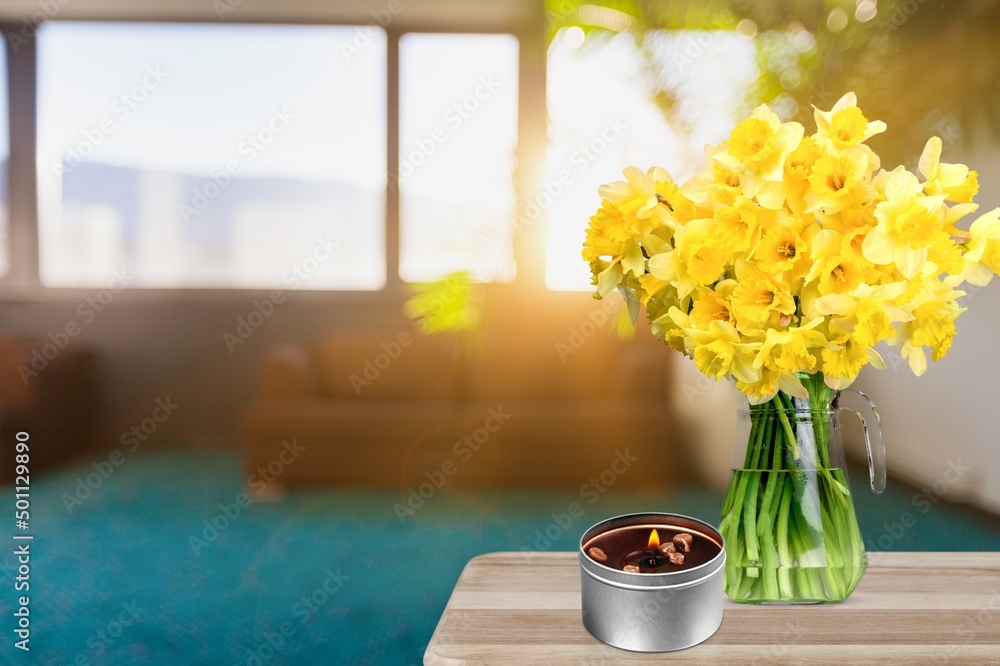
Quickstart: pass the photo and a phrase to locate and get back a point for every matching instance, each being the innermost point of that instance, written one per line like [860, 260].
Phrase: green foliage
[922, 66]
[449, 305]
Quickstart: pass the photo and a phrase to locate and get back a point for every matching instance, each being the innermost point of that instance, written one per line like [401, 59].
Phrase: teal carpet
[132, 576]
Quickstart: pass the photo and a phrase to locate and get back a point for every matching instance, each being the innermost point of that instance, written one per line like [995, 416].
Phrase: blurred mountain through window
[212, 156]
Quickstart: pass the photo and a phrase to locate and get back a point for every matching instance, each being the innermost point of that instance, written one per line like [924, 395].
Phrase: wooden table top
[524, 608]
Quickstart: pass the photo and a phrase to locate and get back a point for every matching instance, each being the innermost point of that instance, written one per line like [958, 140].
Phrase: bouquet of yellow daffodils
[782, 266]
[796, 254]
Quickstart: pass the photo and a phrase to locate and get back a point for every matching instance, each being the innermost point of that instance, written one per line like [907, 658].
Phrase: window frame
[22, 283]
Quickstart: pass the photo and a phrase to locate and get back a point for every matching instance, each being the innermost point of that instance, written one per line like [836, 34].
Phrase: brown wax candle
[643, 548]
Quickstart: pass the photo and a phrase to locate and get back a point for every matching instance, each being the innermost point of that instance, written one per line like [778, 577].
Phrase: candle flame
[654, 540]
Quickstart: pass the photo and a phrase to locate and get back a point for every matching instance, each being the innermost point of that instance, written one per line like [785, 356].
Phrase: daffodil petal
[609, 278]
[662, 265]
[838, 304]
[771, 195]
[632, 259]
[930, 158]
[875, 359]
[789, 383]
[909, 261]
[976, 274]
[878, 247]
[918, 361]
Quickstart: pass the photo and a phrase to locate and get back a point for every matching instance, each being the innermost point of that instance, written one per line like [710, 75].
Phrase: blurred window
[458, 134]
[212, 156]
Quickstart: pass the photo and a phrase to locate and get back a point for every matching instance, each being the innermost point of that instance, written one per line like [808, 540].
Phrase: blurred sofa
[51, 393]
[532, 409]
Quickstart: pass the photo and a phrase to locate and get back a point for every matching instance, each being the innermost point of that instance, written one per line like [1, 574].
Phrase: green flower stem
[744, 588]
[770, 556]
[791, 439]
[784, 553]
[750, 518]
[788, 518]
[772, 482]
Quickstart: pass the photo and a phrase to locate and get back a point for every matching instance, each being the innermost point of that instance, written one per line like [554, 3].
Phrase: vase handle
[876, 451]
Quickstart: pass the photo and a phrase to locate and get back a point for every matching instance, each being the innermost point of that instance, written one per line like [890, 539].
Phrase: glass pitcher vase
[788, 519]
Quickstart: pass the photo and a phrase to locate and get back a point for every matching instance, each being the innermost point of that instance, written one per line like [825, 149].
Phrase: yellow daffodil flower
[721, 351]
[741, 225]
[699, 257]
[844, 126]
[908, 223]
[838, 181]
[933, 325]
[759, 298]
[833, 271]
[670, 327]
[852, 245]
[791, 254]
[983, 258]
[798, 168]
[769, 383]
[780, 249]
[791, 350]
[955, 181]
[607, 231]
[866, 314]
[650, 286]
[757, 149]
[842, 364]
[634, 196]
[713, 304]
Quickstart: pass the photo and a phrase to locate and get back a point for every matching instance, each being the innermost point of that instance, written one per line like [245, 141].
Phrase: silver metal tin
[652, 612]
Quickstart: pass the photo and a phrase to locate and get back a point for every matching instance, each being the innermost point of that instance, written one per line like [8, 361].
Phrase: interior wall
[401, 13]
[158, 350]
